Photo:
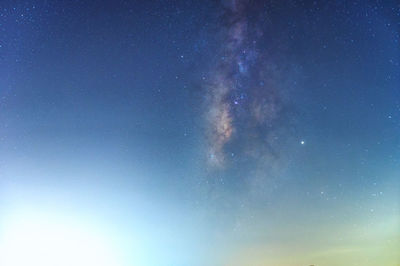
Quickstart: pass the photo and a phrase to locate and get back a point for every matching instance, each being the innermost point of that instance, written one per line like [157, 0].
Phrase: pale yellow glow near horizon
[365, 245]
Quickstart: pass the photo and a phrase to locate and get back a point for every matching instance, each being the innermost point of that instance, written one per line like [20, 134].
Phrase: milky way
[244, 104]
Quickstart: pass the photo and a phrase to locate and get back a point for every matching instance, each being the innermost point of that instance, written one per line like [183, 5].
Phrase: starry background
[206, 132]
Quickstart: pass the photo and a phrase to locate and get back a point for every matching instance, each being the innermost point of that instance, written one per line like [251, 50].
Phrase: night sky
[206, 133]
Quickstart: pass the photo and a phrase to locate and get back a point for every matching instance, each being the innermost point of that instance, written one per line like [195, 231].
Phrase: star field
[233, 132]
